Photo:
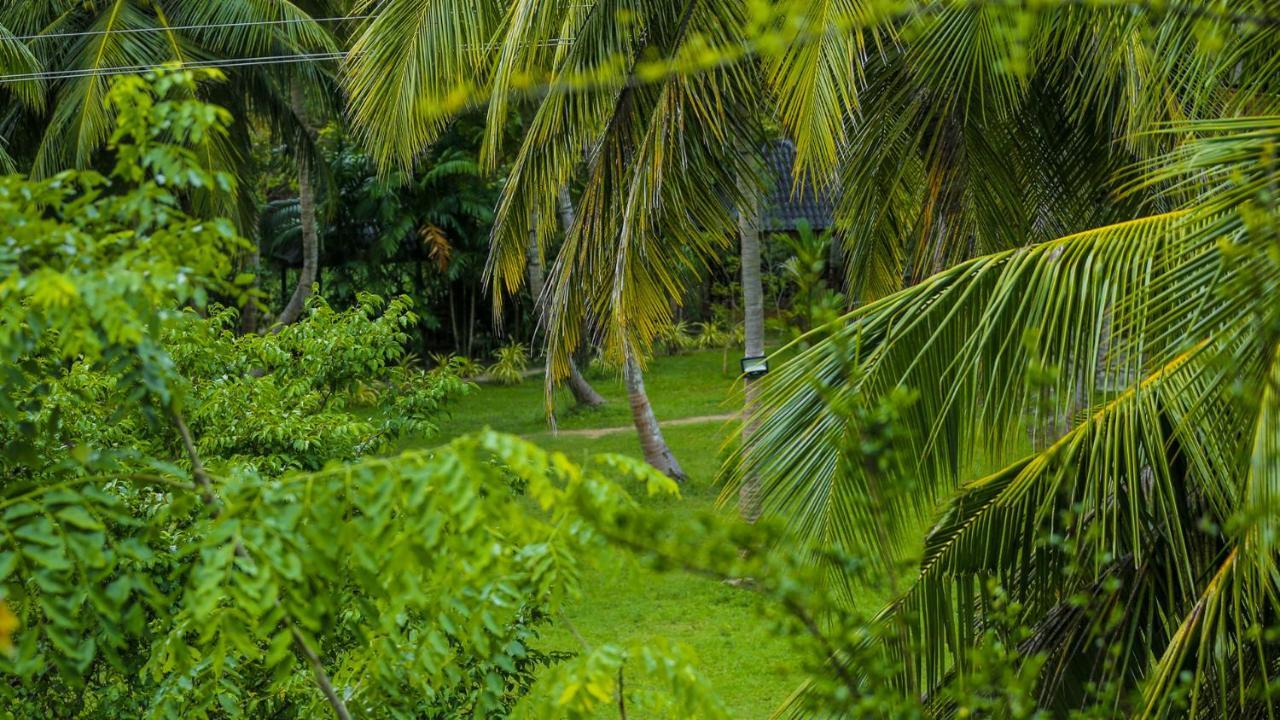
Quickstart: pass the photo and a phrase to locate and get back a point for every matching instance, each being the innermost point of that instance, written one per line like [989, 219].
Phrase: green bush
[510, 363]
[189, 526]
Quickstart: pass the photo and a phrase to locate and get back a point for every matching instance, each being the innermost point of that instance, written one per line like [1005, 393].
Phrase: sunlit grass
[624, 601]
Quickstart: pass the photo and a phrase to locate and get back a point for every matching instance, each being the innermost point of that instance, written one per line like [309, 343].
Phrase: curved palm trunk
[307, 211]
[582, 391]
[654, 446]
[753, 319]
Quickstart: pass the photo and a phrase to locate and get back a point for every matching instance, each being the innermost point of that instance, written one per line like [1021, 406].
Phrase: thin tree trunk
[835, 263]
[534, 271]
[307, 211]
[420, 296]
[249, 313]
[564, 203]
[453, 322]
[654, 446]
[471, 326]
[582, 391]
[753, 321]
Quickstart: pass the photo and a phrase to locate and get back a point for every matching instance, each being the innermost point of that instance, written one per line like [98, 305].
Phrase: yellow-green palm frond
[245, 28]
[1136, 537]
[966, 340]
[81, 121]
[816, 74]
[412, 67]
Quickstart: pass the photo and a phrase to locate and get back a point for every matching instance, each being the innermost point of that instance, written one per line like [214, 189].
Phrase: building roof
[784, 208]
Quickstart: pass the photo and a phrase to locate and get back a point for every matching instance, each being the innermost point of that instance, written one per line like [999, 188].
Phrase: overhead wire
[194, 64]
[172, 28]
[299, 57]
[75, 73]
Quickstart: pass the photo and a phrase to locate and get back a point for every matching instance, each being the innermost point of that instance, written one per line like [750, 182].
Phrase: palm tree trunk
[582, 391]
[652, 444]
[471, 326]
[534, 271]
[753, 320]
[307, 211]
[835, 263]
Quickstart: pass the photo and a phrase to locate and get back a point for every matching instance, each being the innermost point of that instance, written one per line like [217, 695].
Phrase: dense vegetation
[271, 273]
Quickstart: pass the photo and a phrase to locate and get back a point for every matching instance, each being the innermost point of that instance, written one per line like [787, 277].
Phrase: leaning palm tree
[661, 167]
[579, 386]
[1134, 534]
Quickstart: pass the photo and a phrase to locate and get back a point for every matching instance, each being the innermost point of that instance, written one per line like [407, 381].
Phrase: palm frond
[81, 121]
[815, 78]
[17, 59]
[967, 340]
[440, 50]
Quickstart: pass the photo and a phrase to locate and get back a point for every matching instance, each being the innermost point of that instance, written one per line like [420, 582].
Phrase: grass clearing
[624, 601]
[679, 386]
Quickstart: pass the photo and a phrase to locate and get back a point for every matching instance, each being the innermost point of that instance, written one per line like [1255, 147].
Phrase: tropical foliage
[509, 364]
[646, 219]
[177, 535]
[1029, 387]
[67, 53]
[1094, 411]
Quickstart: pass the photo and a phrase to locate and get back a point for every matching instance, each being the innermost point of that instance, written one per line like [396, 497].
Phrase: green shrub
[510, 363]
[189, 528]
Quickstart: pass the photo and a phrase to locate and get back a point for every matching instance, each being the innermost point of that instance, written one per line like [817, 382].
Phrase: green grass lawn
[623, 601]
[680, 386]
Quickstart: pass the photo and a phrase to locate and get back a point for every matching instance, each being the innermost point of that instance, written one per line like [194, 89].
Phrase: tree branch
[317, 669]
[214, 503]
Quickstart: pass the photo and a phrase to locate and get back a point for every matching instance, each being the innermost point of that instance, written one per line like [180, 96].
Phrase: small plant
[510, 364]
[813, 304]
[720, 333]
[676, 338]
[713, 335]
[460, 365]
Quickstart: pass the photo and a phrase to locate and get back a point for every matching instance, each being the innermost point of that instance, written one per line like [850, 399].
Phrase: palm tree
[583, 393]
[932, 182]
[652, 444]
[647, 218]
[63, 121]
[1137, 544]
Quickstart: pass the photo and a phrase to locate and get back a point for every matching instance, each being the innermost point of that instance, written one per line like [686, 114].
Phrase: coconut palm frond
[1135, 532]
[440, 50]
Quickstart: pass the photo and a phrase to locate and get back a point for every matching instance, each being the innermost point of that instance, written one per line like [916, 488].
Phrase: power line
[197, 64]
[107, 71]
[172, 28]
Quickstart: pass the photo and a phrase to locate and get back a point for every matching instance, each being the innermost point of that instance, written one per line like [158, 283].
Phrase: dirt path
[597, 433]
